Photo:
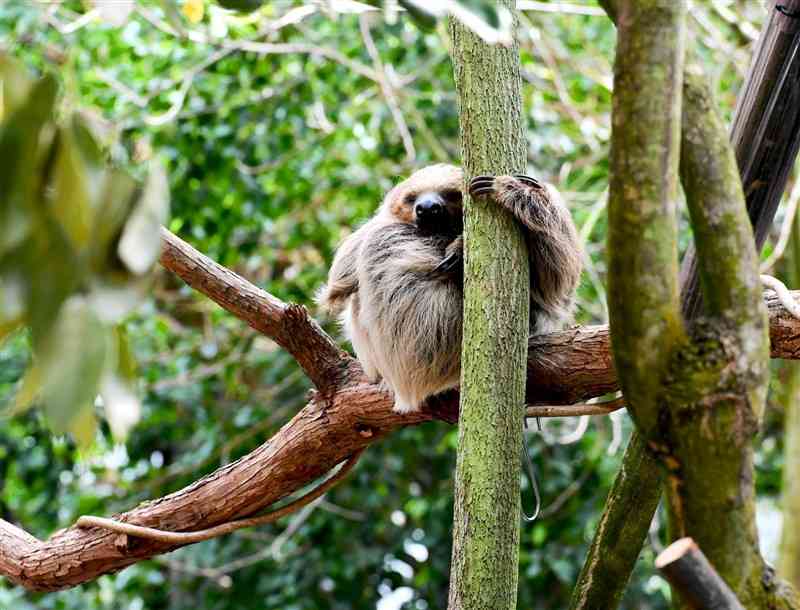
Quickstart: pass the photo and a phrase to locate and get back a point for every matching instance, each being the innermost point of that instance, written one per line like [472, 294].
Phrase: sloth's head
[429, 199]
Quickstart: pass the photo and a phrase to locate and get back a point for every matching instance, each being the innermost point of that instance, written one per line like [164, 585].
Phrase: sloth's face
[437, 212]
[429, 199]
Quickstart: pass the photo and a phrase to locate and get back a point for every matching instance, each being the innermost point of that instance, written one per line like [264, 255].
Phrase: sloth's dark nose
[429, 206]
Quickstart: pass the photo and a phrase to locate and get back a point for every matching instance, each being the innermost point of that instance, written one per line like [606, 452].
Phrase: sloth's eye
[410, 198]
[452, 195]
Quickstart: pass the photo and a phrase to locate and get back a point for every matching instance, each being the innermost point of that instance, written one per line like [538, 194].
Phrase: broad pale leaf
[72, 360]
[140, 244]
[112, 299]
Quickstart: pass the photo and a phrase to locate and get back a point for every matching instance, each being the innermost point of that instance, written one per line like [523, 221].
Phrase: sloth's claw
[481, 186]
[449, 264]
[528, 181]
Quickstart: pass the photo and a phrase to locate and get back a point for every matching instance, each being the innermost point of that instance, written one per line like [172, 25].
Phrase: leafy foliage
[77, 242]
[279, 139]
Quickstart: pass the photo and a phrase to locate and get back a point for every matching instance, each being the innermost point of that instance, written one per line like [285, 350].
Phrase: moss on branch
[642, 238]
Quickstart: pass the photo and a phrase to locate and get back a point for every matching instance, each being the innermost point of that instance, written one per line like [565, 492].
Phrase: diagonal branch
[289, 325]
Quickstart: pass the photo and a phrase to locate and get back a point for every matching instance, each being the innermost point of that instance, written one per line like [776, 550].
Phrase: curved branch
[563, 367]
[322, 434]
[223, 528]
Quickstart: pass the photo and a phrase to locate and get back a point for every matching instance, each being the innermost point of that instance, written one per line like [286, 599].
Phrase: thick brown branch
[564, 367]
[289, 325]
[322, 434]
[223, 528]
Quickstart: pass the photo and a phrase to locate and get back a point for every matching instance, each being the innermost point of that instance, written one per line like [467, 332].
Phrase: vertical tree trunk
[789, 563]
[770, 100]
[486, 520]
[696, 397]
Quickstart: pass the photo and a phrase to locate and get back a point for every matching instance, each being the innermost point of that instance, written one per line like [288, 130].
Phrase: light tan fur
[404, 316]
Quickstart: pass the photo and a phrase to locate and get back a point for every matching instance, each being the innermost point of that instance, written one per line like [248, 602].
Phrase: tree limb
[223, 528]
[632, 500]
[289, 325]
[330, 428]
[644, 302]
[692, 575]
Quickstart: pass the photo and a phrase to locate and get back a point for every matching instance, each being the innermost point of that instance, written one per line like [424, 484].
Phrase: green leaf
[72, 361]
[118, 195]
[69, 198]
[83, 425]
[7, 327]
[140, 244]
[12, 288]
[29, 390]
[126, 363]
[24, 153]
[15, 84]
[47, 285]
[424, 18]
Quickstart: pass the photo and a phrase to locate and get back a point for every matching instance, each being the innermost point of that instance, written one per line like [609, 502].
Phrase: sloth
[396, 283]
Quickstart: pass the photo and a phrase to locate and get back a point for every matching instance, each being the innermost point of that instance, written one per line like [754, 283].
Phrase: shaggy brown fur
[397, 281]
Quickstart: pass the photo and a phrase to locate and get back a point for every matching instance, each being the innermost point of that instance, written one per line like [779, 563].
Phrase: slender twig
[600, 408]
[387, 89]
[783, 294]
[786, 228]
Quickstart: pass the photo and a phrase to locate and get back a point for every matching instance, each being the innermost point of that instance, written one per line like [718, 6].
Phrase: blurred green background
[280, 131]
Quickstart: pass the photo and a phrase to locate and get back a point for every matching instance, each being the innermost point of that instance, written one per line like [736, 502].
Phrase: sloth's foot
[486, 186]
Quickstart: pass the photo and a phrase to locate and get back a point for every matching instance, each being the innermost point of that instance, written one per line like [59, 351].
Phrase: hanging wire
[526, 457]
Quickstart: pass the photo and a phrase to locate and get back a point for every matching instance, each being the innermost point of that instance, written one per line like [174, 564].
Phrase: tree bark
[642, 246]
[789, 374]
[698, 397]
[484, 568]
[627, 514]
[690, 572]
[765, 107]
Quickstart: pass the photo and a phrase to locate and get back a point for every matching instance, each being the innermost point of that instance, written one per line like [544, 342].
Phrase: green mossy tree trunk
[789, 562]
[486, 517]
[709, 185]
[695, 390]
